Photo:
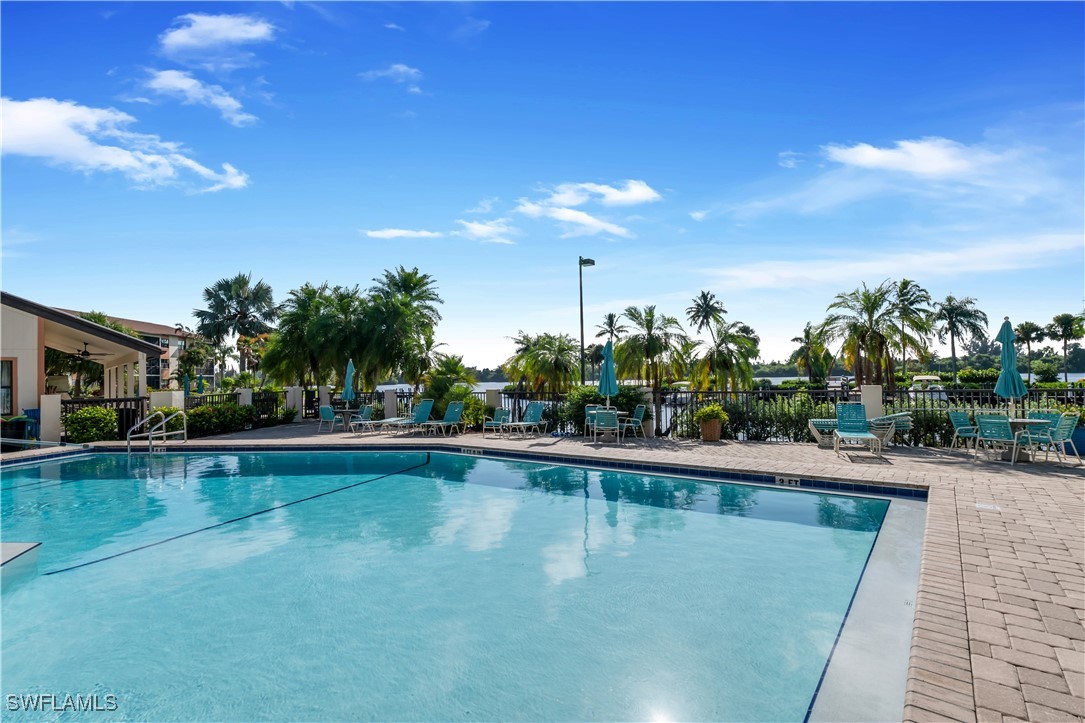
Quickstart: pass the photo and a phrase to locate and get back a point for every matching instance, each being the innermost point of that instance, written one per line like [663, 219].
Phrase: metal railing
[269, 405]
[211, 400]
[161, 429]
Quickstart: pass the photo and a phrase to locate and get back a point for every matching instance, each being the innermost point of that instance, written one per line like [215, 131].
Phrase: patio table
[1017, 424]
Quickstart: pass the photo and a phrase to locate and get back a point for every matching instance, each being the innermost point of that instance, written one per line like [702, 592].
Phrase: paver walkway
[999, 629]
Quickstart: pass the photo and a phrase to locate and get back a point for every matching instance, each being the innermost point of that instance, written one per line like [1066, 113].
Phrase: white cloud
[578, 223]
[86, 139]
[390, 233]
[698, 215]
[496, 231]
[996, 254]
[929, 157]
[788, 159]
[211, 41]
[393, 26]
[484, 206]
[180, 84]
[575, 194]
[470, 28]
[397, 73]
[414, 89]
[405, 115]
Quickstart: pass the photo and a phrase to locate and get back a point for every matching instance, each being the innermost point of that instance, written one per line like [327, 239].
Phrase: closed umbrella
[1010, 385]
[199, 384]
[348, 383]
[186, 382]
[608, 378]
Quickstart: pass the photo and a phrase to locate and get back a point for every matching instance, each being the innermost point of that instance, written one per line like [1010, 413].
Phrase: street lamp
[580, 272]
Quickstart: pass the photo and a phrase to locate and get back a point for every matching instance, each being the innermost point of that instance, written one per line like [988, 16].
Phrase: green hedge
[569, 415]
[221, 419]
[91, 424]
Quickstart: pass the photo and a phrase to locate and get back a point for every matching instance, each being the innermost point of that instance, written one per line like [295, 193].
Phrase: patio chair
[329, 417]
[887, 427]
[606, 422]
[589, 417]
[361, 419]
[449, 423]
[852, 427]
[634, 423]
[1060, 436]
[532, 420]
[495, 423]
[409, 424]
[995, 433]
[822, 431]
[963, 430]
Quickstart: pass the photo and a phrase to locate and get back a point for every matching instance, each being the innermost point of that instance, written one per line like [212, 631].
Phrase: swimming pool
[416, 586]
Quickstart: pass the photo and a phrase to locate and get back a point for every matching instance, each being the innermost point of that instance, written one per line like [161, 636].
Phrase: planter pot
[1078, 438]
[710, 430]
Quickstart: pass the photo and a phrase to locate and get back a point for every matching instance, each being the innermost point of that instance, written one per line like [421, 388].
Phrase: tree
[1066, 328]
[730, 357]
[1029, 333]
[448, 371]
[652, 340]
[706, 312]
[911, 303]
[612, 327]
[865, 324]
[958, 319]
[595, 357]
[812, 354]
[295, 357]
[548, 361]
[236, 307]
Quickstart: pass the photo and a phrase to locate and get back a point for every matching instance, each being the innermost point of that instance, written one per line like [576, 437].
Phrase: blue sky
[774, 153]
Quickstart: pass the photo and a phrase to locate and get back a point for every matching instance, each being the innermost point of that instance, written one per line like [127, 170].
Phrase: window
[7, 387]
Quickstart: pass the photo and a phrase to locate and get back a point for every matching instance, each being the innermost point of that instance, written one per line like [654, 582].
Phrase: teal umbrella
[1010, 385]
[348, 382]
[186, 382]
[608, 378]
[199, 384]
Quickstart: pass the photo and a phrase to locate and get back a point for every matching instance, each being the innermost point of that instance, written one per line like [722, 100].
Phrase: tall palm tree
[1029, 333]
[612, 327]
[706, 312]
[447, 372]
[422, 358]
[653, 338]
[401, 312]
[730, 357]
[548, 361]
[812, 354]
[595, 358]
[865, 324]
[293, 340]
[1066, 328]
[416, 289]
[683, 361]
[911, 303]
[958, 319]
[236, 307]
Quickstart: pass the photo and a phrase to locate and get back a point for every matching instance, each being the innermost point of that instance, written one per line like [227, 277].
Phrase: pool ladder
[158, 431]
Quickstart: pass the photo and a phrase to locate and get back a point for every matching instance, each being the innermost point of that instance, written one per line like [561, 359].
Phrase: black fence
[269, 405]
[211, 400]
[129, 409]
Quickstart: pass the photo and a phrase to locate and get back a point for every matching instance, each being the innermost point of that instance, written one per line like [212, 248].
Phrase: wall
[19, 340]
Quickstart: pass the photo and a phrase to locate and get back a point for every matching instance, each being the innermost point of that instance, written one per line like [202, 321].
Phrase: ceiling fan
[86, 353]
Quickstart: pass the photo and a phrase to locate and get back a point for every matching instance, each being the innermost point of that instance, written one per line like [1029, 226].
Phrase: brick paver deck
[999, 628]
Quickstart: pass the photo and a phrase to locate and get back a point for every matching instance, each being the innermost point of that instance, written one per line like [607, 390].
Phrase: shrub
[980, 377]
[91, 424]
[288, 415]
[570, 413]
[710, 411]
[1045, 370]
[174, 425]
[221, 419]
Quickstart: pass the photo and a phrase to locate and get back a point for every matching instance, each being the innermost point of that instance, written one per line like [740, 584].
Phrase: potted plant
[711, 418]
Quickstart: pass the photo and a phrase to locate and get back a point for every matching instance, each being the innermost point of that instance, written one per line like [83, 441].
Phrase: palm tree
[706, 312]
[292, 342]
[236, 307]
[416, 289]
[401, 312]
[958, 319]
[422, 358]
[548, 361]
[612, 327]
[448, 371]
[1066, 328]
[911, 303]
[730, 358]
[812, 354]
[654, 337]
[1029, 333]
[595, 358]
[683, 361]
[865, 324]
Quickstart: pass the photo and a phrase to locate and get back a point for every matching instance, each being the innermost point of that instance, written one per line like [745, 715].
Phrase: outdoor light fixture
[580, 271]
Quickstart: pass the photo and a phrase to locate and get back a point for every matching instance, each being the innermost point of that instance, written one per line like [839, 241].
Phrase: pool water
[466, 588]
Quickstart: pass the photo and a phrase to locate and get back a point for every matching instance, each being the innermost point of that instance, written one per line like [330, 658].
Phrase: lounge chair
[329, 417]
[408, 424]
[634, 423]
[888, 426]
[963, 429]
[531, 421]
[496, 423]
[995, 433]
[606, 422]
[822, 431]
[448, 424]
[361, 419]
[852, 427]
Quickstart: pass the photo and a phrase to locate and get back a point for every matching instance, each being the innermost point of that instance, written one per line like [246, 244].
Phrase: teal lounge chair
[409, 424]
[361, 419]
[450, 422]
[329, 417]
[634, 423]
[852, 427]
[888, 426]
[963, 430]
[822, 431]
[531, 421]
[496, 423]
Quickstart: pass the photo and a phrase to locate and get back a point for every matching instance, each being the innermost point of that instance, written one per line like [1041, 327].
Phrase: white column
[871, 397]
[391, 405]
[245, 397]
[167, 399]
[493, 398]
[324, 395]
[295, 399]
[50, 417]
[141, 378]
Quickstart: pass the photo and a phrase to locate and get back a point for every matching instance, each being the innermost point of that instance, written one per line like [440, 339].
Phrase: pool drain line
[243, 517]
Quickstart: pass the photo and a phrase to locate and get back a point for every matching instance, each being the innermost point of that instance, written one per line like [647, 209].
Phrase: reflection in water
[852, 513]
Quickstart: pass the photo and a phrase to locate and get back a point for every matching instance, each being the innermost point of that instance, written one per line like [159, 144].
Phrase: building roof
[75, 323]
[143, 327]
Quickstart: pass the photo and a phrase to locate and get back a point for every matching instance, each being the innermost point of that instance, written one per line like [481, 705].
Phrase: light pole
[580, 272]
